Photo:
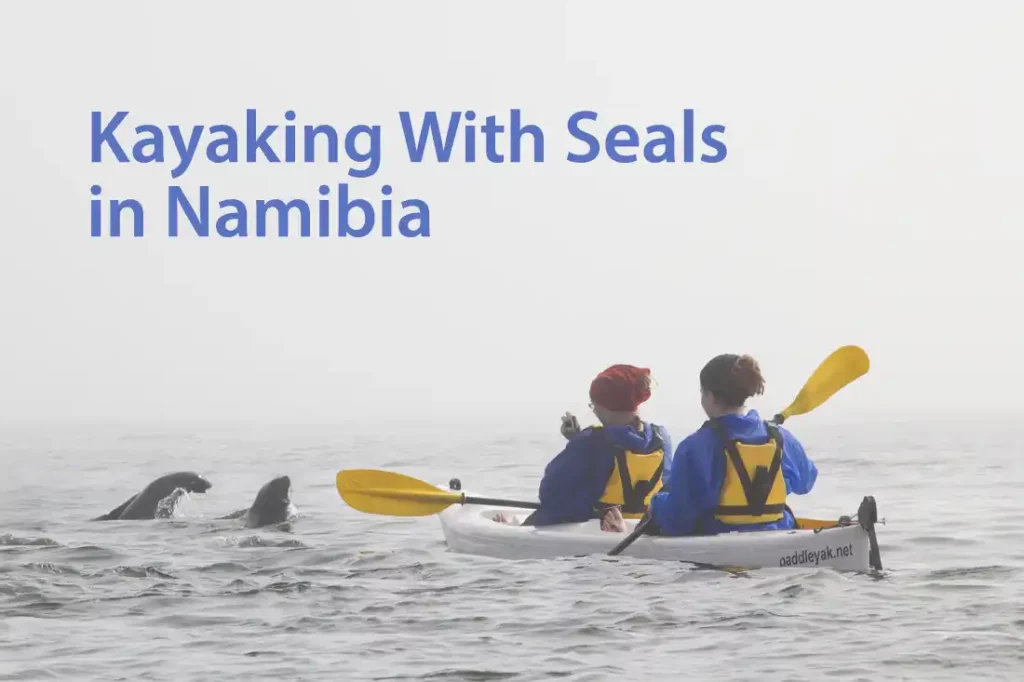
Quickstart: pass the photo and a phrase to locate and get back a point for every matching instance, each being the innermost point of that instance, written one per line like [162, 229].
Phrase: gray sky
[871, 195]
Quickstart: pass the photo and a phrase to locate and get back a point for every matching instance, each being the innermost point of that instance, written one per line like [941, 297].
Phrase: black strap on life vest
[758, 489]
[634, 496]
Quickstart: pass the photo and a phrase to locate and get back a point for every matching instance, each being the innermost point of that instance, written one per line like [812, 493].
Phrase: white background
[871, 195]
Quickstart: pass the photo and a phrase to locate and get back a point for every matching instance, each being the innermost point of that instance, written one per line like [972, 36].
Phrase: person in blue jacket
[734, 472]
[609, 471]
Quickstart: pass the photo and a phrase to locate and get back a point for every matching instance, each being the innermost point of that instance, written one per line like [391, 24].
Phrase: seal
[159, 498]
[272, 505]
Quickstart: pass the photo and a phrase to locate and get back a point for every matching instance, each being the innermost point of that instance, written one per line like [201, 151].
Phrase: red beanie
[621, 388]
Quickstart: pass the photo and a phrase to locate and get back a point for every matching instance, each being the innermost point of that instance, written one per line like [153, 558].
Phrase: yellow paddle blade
[837, 370]
[384, 492]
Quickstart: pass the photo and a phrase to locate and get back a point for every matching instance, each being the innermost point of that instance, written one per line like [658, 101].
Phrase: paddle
[842, 367]
[392, 494]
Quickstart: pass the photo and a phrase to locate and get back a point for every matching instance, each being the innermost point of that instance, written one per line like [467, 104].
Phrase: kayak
[844, 544]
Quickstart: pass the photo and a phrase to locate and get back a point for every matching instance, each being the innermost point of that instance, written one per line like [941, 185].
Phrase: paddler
[609, 471]
[735, 471]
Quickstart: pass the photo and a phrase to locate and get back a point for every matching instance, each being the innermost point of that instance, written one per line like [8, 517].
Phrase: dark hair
[732, 378]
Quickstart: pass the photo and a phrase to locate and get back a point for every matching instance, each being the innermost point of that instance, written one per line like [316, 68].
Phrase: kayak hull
[471, 529]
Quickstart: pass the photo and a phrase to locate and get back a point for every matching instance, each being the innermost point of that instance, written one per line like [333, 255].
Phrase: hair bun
[747, 374]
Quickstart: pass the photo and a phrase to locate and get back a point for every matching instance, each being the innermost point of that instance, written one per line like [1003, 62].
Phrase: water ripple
[337, 594]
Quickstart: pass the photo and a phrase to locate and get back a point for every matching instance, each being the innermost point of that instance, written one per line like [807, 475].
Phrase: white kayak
[471, 529]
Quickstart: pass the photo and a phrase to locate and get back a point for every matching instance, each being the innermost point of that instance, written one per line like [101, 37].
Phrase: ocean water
[342, 595]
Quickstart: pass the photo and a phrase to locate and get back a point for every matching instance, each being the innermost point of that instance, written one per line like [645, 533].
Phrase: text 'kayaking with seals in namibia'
[337, 211]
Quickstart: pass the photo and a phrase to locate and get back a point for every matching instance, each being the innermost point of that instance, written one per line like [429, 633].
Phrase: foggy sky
[871, 195]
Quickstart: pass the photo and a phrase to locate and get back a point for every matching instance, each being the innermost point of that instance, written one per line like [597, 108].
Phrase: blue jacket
[698, 472]
[575, 479]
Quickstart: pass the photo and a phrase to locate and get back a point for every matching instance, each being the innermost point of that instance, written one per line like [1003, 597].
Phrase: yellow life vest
[644, 468]
[754, 490]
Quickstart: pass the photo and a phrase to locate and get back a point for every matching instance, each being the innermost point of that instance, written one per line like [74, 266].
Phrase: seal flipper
[115, 513]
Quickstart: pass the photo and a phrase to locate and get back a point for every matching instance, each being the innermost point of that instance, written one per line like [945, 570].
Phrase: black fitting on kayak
[867, 513]
[455, 484]
[867, 516]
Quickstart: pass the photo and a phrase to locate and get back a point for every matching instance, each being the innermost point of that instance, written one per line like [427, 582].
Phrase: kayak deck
[471, 529]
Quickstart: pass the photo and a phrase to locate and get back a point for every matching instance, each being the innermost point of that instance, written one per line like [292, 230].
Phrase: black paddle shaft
[500, 503]
[637, 532]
